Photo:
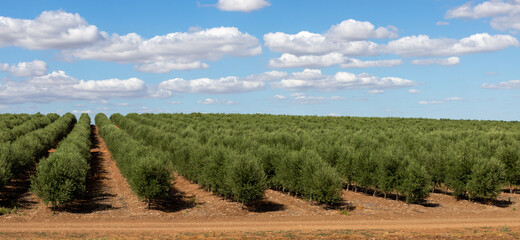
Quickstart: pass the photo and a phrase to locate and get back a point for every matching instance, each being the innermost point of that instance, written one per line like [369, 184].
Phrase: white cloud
[174, 102]
[77, 112]
[351, 38]
[314, 79]
[206, 85]
[414, 90]
[485, 9]
[288, 60]
[356, 63]
[25, 69]
[302, 98]
[506, 22]
[338, 98]
[504, 14]
[333, 115]
[445, 100]
[266, 76]
[422, 45]
[50, 30]
[168, 66]
[307, 43]
[230, 84]
[216, 101]
[164, 53]
[352, 30]
[440, 61]
[279, 97]
[441, 23]
[376, 91]
[513, 84]
[242, 5]
[171, 51]
[58, 86]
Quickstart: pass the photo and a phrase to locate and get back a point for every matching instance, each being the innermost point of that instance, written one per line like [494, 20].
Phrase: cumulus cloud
[314, 79]
[356, 63]
[266, 76]
[504, 14]
[242, 5]
[348, 37]
[423, 45]
[173, 51]
[58, 86]
[376, 91]
[307, 43]
[352, 30]
[230, 84]
[76, 39]
[302, 98]
[440, 61]
[50, 30]
[78, 112]
[168, 66]
[216, 101]
[513, 84]
[412, 90]
[279, 97]
[351, 38]
[442, 101]
[288, 60]
[26, 69]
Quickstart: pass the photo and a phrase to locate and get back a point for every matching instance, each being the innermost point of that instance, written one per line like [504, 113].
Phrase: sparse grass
[4, 211]
[505, 228]
[345, 212]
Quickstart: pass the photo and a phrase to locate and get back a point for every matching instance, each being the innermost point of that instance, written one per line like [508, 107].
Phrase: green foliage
[149, 180]
[5, 166]
[144, 168]
[35, 122]
[388, 155]
[221, 170]
[24, 152]
[61, 177]
[245, 178]
[487, 179]
[416, 183]
[459, 173]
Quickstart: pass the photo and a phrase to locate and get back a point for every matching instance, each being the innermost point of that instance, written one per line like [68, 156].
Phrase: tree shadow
[263, 206]
[494, 202]
[340, 205]
[514, 190]
[393, 196]
[97, 194]
[174, 202]
[17, 192]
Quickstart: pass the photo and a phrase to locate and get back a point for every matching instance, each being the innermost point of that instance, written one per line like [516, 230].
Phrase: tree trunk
[148, 203]
[385, 195]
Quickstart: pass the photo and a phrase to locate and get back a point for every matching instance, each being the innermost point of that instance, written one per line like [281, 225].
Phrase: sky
[454, 59]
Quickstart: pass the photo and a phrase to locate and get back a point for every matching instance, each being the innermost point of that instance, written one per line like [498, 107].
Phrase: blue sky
[431, 59]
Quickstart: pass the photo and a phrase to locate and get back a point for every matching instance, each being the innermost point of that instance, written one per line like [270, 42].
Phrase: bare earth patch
[112, 211]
